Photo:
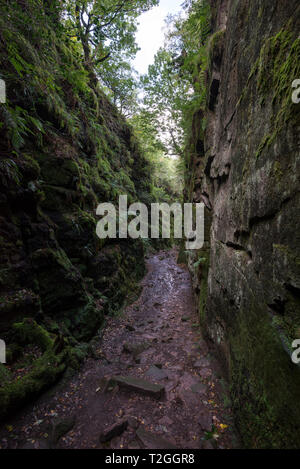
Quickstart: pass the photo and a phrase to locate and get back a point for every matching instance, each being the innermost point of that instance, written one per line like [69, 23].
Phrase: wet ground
[179, 400]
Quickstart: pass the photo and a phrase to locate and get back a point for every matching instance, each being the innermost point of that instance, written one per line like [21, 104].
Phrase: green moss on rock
[276, 69]
[29, 332]
[46, 371]
[265, 383]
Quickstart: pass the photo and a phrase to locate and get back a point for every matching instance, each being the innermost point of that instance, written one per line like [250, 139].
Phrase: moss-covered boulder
[41, 365]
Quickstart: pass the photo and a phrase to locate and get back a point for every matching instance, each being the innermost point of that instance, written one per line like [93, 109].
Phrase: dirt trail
[157, 340]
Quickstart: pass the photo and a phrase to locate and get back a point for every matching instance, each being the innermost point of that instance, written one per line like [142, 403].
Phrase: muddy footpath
[153, 384]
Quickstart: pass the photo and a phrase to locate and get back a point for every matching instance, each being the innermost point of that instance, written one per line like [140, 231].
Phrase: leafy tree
[120, 82]
[167, 183]
[175, 83]
[164, 95]
[105, 27]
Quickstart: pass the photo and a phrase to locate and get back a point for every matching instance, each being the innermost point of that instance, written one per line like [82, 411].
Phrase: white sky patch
[150, 34]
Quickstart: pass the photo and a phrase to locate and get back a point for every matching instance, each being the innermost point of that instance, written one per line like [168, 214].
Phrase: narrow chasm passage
[153, 382]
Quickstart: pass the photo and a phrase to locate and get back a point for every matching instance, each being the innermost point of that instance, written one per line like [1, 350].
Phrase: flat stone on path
[139, 385]
[187, 380]
[115, 430]
[157, 373]
[185, 318]
[135, 349]
[60, 427]
[199, 388]
[152, 441]
[202, 363]
[188, 398]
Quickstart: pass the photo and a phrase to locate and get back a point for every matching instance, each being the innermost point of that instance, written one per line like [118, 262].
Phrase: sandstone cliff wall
[247, 172]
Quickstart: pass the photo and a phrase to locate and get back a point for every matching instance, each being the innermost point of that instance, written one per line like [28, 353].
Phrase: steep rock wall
[247, 173]
[63, 150]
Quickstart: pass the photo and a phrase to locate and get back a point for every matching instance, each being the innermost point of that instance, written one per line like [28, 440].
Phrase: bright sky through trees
[150, 35]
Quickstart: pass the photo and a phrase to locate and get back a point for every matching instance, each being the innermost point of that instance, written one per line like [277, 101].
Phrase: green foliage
[166, 182]
[106, 31]
[45, 372]
[120, 83]
[165, 96]
[20, 124]
[39, 80]
[9, 172]
[175, 85]
[105, 27]
[29, 332]
[276, 68]
[200, 261]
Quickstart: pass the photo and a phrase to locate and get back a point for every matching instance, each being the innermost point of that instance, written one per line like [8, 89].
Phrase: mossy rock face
[60, 284]
[60, 172]
[277, 65]
[248, 300]
[111, 270]
[76, 234]
[182, 256]
[199, 265]
[18, 302]
[29, 332]
[269, 382]
[61, 427]
[77, 152]
[31, 168]
[17, 393]
[216, 47]
[5, 375]
[16, 390]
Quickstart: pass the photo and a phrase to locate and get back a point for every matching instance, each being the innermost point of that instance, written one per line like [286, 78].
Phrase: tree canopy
[105, 27]
[175, 83]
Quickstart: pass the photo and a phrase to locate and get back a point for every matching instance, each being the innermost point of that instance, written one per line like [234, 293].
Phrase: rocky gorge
[135, 343]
